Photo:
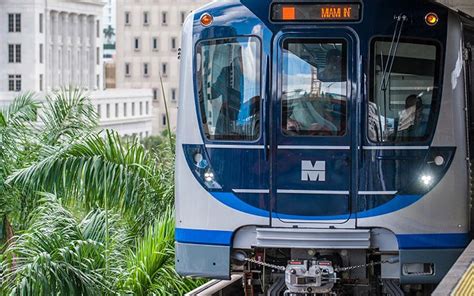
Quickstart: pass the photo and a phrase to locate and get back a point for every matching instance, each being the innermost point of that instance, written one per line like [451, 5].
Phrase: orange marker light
[288, 13]
[431, 19]
[206, 19]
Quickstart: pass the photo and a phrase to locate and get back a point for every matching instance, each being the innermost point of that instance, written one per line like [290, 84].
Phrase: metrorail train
[325, 147]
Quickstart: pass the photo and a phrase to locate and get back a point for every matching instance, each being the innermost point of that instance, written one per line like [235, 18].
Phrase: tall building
[49, 44]
[45, 41]
[110, 22]
[148, 39]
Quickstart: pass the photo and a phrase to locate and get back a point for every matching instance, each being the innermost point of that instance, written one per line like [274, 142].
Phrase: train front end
[322, 144]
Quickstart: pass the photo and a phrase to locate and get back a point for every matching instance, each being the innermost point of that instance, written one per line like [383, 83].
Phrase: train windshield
[229, 88]
[404, 91]
[314, 87]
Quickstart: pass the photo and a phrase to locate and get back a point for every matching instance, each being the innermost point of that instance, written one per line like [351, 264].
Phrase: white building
[46, 41]
[148, 39]
[49, 44]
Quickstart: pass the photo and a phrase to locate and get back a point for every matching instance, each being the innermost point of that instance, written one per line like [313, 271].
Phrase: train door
[314, 142]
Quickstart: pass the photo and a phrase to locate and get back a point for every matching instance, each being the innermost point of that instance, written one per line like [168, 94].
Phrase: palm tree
[109, 33]
[96, 176]
[60, 255]
[17, 149]
[150, 268]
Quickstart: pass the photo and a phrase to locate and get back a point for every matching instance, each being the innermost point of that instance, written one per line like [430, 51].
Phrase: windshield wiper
[397, 33]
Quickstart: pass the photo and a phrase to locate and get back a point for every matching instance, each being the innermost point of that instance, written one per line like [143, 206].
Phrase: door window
[405, 87]
[314, 87]
[229, 88]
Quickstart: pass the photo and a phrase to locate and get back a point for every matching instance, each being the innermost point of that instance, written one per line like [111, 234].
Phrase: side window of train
[404, 90]
[228, 82]
[314, 87]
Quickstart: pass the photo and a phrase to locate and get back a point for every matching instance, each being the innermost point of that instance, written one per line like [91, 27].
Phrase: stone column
[74, 44]
[47, 51]
[65, 38]
[83, 46]
[54, 53]
[92, 52]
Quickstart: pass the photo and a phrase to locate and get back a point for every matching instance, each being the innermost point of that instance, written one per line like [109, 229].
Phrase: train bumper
[205, 261]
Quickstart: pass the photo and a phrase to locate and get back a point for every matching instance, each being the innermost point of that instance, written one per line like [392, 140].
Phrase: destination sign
[308, 12]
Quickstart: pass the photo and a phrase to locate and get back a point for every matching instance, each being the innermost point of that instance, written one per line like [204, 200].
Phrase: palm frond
[82, 169]
[67, 114]
[23, 110]
[151, 265]
[58, 255]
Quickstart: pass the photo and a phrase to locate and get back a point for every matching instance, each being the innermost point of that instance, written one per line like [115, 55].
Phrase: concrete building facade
[148, 40]
[50, 44]
[46, 41]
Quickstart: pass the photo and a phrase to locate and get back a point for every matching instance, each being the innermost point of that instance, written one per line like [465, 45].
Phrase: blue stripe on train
[405, 241]
[205, 237]
[398, 203]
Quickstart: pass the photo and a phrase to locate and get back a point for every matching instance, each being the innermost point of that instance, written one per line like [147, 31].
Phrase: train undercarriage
[311, 272]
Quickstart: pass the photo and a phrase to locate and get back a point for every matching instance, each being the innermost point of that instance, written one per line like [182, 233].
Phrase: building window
[14, 22]
[124, 109]
[14, 53]
[164, 69]
[41, 82]
[41, 23]
[164, 18]
[41, 52]
[183, 17]
[127, 69]
[98, 81]
[116, 110]
[136, 43]
[163, 119]
[98, 55]
[147, 108]
[145, 69]
[141, 108]
[107, 110]
[127, 18]
[99, 111]
[133, 109]
[173, 43]
[155, 43]
[14, 82]
[98, 29]
[155, 94]
[146, 20]
[173, 94]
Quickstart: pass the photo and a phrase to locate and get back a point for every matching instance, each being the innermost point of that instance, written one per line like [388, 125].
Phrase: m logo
[313, 173]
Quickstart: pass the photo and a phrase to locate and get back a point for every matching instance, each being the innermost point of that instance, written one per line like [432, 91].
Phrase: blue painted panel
[338, 168]
[433, 241]
[310, 205]
[209, 237]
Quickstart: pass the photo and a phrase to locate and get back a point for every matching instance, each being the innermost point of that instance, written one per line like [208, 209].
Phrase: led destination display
[315, 12]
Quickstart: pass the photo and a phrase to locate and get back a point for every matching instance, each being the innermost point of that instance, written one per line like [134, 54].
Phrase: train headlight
[209, 176]
[427, 180]
[431, 19]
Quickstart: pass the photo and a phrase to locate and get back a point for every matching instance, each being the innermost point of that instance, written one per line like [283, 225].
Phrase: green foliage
[67, 115]
[58, 254]
[76, 246]
[151, 265]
